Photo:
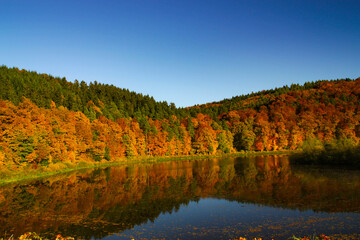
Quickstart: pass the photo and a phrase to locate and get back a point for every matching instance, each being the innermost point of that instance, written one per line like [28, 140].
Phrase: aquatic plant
[35, 236]
[319, 237]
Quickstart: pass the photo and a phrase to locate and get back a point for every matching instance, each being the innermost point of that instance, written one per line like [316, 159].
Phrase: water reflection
[96, 203]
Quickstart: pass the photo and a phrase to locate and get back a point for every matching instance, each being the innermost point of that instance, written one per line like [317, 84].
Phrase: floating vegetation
[319, 237]
[35, 236]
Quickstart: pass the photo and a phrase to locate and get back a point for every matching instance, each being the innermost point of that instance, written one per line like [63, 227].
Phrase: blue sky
[187, 52]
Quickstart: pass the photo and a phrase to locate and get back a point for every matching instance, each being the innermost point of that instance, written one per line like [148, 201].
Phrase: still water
[224, 198]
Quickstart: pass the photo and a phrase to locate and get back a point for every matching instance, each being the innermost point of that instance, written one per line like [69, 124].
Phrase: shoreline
[43, 172]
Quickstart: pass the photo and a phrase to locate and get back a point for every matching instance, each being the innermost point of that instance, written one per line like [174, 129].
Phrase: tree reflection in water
[96, 203]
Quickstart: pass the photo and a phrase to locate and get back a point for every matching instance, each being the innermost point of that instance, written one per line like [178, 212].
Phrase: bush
[342, 152]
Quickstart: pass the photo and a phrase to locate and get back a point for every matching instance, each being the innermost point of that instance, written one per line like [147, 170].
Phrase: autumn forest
[49, 122]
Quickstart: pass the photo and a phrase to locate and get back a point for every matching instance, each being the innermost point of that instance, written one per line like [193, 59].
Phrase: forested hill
[96, 99]
[49, 121]
[258, 99]
[93, 100]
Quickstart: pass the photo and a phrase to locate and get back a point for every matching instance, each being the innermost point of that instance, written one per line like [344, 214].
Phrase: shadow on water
[97, 203]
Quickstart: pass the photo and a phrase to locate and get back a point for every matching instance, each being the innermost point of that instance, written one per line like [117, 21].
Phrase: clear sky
[184, 51]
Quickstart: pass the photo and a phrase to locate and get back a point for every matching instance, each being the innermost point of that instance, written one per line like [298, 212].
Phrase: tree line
[47, 120]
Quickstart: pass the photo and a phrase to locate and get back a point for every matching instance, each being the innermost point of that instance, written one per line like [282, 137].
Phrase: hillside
[49, 122]
[93, 100]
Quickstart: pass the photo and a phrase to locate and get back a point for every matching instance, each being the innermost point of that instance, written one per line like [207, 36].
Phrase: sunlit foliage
[49, 122]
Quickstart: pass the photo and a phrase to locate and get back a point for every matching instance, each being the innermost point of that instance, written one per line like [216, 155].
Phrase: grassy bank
[11, 175]
[336, 153]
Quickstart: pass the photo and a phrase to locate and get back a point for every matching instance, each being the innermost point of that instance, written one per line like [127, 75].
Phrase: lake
[218, 198]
